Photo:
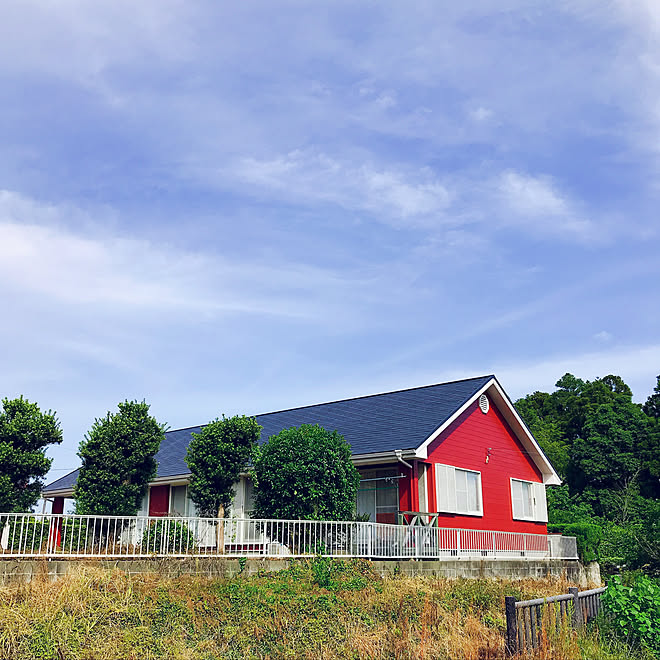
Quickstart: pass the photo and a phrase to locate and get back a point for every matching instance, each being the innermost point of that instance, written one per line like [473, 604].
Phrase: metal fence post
[576, 617]
[511, 642]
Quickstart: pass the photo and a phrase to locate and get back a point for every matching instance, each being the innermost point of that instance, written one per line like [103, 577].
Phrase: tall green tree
[652, 405]
[216, 456]
[25, 433]
[306, 473]
[650, 446]
[612, 474]
[118, 461]
[548, 434]
[607, 454]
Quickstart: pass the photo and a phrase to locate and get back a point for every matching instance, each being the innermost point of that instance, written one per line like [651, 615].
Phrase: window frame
[377, 476]
[539, 512]
[479, 512]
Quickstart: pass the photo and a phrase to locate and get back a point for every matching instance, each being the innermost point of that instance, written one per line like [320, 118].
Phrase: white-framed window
[179, 500]
[378, 495]
[458, 490]
[528, 500]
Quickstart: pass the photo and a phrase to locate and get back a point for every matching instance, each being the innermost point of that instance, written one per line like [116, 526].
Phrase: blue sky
[241, 207]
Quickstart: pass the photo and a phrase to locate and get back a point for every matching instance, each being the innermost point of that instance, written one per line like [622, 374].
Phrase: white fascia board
[173, 480]
[423, 450]
[510, 414]
[63, 492]
[184, 479]
[381, 457]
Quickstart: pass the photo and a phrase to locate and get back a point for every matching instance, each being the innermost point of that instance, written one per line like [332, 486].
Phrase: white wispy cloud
[39, 254]
[420, 198]
[402, 197]
[539, 204]
[481, 114]
[394, 196]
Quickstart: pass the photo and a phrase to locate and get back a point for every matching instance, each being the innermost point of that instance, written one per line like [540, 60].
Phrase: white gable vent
[484, 404]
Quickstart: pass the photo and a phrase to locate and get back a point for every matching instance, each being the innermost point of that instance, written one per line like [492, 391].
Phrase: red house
[458, 452]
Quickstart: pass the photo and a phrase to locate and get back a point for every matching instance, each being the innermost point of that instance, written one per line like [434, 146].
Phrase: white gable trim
[497, 395]
[422, 450]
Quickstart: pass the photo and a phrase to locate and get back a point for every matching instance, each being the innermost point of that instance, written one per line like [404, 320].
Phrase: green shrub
[340, 575]
[168, 536]
[617, 548]
[321, 570]
[305, 473]
[588, 536]
[632, 610]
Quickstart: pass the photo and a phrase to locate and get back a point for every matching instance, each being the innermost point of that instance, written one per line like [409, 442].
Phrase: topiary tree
[305, 473]
[215, 457]
[118, 461]
[25, 433]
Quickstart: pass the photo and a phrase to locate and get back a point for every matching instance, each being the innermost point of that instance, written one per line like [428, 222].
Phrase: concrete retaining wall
[24, 570]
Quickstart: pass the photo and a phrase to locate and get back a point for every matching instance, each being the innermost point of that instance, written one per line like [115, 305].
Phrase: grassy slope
[320, 609]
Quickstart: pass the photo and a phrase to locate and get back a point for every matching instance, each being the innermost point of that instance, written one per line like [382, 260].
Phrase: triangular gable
[500, 399]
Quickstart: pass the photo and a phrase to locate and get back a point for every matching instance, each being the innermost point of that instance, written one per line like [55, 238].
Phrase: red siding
[55, 531]
[406, 488]
[159, 500]
[465, 444]
[58, 505]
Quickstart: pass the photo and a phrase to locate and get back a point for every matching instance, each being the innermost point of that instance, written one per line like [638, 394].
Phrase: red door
[159, 500]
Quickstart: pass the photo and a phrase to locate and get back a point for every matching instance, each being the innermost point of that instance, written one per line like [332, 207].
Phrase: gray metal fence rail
[527, 620]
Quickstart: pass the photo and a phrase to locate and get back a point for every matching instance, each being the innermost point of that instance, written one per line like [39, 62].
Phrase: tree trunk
[220, 532]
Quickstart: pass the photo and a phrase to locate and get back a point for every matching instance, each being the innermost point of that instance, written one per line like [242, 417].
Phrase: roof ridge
[351, 398]
[369, 396]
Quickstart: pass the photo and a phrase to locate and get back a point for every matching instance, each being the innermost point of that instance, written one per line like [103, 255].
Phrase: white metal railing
[60, 535]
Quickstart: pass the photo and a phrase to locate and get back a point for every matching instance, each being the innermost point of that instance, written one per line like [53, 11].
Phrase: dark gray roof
[63, 483]
[381, 422]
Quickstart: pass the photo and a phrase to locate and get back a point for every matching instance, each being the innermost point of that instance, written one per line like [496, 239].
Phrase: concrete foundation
[24, 570]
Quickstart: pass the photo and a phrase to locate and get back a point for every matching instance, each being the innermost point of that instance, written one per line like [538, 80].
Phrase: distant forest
[606, 448]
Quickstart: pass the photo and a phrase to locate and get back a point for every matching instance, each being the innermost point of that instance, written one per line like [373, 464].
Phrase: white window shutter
[445, 486]
[236, 506]
[540, 506]
[516, 499]
[451, 487]
[480, 496]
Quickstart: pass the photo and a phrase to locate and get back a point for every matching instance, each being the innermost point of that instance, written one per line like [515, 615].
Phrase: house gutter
[375, 458]
[399, 457]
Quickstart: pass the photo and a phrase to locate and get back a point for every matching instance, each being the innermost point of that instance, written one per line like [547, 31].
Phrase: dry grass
[105, 614]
